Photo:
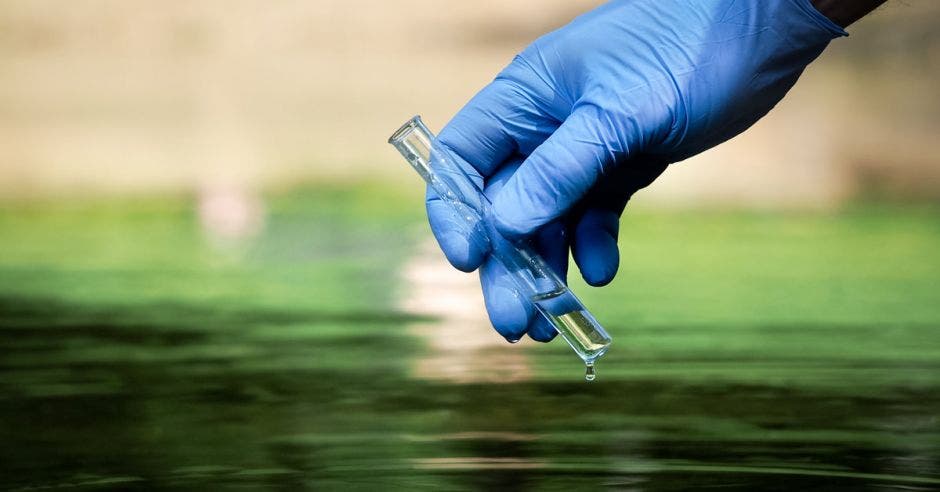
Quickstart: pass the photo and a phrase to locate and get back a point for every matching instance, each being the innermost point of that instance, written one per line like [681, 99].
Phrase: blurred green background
[215, 272]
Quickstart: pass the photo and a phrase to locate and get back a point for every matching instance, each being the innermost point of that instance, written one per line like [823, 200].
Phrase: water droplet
[589, 373]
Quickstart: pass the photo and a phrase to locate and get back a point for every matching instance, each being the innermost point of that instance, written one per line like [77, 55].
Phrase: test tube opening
[403, 132]
[414, 140]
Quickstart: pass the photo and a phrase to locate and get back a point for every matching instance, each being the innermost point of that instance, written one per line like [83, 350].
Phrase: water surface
[750, 351]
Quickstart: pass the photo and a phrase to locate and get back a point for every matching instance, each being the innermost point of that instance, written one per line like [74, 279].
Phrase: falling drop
[589, 373]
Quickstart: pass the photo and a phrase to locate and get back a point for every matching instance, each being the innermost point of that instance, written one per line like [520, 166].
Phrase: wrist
[845, 12]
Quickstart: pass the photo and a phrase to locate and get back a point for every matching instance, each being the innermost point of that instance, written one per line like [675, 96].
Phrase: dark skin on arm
[845, 12]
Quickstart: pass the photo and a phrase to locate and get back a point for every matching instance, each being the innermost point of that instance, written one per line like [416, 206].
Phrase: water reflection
[461, 345]
[110, 397]
[151, 366]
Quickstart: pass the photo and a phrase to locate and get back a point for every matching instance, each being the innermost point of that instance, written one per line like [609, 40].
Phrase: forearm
[845, 12]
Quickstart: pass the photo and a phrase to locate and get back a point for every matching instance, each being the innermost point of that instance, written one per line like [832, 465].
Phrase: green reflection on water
[777, 350]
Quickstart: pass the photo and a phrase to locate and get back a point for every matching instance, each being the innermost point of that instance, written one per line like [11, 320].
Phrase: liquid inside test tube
[575, 324]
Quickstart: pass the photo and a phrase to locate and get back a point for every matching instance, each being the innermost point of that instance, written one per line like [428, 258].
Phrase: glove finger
[594, 231]
[510, 313]
[463, 243]
[501, 120]
[557, 175]
[594, 245]
[459, 233]
[552, 243]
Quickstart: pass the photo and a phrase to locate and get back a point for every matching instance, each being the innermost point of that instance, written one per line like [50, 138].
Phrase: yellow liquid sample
[576, 326]
[581, 331]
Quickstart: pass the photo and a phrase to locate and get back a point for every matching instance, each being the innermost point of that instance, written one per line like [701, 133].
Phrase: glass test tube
[532, 276]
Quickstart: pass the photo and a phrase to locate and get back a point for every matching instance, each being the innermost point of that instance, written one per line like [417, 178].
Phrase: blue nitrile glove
[596, 110]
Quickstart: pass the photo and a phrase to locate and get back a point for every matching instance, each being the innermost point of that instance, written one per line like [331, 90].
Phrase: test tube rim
[403, 132]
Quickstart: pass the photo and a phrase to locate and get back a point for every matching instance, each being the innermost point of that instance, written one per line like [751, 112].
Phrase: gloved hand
[596, 110]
